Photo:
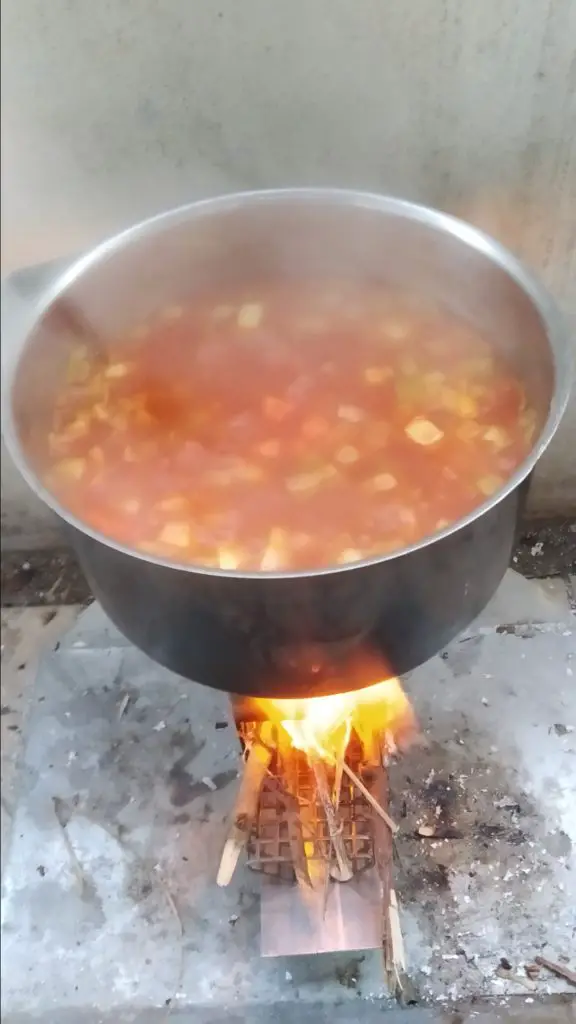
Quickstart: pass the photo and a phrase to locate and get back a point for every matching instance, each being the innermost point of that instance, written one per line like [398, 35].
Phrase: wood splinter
[246, 806]
[342, 870]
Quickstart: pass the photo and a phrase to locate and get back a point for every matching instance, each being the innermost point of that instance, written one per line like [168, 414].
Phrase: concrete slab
[519, 600]
[25, 633]
[110, 910]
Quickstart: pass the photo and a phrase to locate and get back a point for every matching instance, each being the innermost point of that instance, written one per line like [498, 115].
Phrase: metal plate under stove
[325, 915]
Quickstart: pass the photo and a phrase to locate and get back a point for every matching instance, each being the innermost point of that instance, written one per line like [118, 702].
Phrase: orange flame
[322, 725]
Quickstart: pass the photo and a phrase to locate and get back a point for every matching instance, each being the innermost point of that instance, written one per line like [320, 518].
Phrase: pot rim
[555, 325]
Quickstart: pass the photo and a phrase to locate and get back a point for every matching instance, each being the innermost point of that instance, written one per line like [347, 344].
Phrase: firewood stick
[246, 806]
[297, 849]
[398, 981]
[344, 741]
[558, 969]
[337, 792]
[291, 807]
[397, 941]
[343, 871]
[338, 781]
[371, 800]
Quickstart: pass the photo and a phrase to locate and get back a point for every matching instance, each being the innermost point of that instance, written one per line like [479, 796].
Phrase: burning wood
[326, 748]
[342, 872]
[246, 806]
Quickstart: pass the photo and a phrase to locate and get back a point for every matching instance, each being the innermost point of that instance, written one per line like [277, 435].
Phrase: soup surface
[285, 429]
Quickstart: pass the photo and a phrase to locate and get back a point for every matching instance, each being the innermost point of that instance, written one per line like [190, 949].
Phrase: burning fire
[321, 726]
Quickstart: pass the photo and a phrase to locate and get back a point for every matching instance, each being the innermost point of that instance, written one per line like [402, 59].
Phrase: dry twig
[371, 799]
[558, 969]
[342, 871]
[395, 958]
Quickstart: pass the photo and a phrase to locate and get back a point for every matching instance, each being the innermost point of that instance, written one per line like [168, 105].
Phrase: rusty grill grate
[269, 848]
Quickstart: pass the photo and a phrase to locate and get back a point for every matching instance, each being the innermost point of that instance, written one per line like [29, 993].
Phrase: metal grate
[269, 846]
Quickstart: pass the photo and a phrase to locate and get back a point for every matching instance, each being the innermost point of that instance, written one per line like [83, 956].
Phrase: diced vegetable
[276, 408]
[497, 436]
[351, 413]
[350, 555]
[377, 434]
[377, 374]
[311, 324]
[249, 472]
[117, 370]
[423, 431]
[468, 430]
[300, 541]
[101, 412]
[459, 403]
[79, 367]
[383, 482]
[175, 503]
[269, 449]
[230, 558]
[347, 455]
[241, 471]
[407, 516]
[78, 428]
[250, 315]
[74, 431]
[173, 312]
[275, 555]
[315, 427]
[96, 454]
[176, 534]
[310, 481]
[466, 406]
[131, 506]
[56, 446]
[434, 380]
[488, 485]
[408, 366]
[528, 424]
[478, 366]
[396, 329]
[71, 469]
[153, 547]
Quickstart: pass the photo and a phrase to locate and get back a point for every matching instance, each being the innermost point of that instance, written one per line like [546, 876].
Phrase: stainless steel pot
[310, 632]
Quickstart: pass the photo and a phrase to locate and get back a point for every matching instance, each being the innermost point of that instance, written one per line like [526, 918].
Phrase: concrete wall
[114, 110]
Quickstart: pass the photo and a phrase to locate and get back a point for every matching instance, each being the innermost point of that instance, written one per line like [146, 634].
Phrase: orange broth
[288, 428]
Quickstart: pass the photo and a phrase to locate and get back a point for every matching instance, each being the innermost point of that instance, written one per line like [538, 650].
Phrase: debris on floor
[116, 835]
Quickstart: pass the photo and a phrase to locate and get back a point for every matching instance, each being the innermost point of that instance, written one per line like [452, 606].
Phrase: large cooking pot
[298, 633]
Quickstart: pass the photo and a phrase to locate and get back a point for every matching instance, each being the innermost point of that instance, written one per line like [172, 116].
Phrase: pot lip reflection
[553, 322]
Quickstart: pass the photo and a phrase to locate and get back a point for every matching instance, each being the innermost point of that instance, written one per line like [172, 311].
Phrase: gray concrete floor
[110, 912]
[26, 633]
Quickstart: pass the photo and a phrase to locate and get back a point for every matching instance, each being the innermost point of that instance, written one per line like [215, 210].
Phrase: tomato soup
[285, 428]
